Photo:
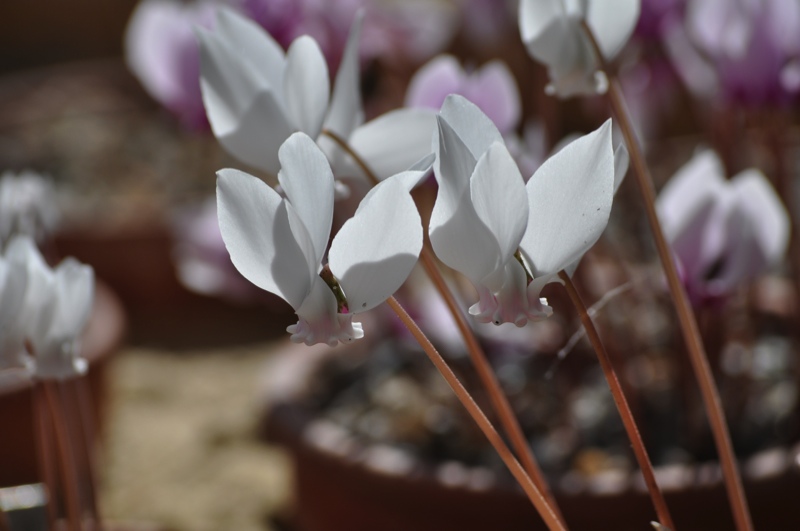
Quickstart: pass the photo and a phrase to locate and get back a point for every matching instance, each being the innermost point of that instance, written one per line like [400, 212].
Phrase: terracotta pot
[103, 335]
[338, 487]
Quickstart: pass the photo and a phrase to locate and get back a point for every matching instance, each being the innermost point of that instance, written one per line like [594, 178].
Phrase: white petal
[254, 48]
[692, 189]
[393, 142]
[306, 85]
[622, 160]
[498, 194]
[474, 128]
[75, 292]
[537, 16]
[766, 213]
[375, 250]
[570, 200]
[307, 180]
[458, 236]
[255, 135]
[39, 306]
[345, 113]
[256, 228]
[612, 22]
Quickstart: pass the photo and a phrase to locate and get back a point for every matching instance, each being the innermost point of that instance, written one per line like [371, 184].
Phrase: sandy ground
[181, 449]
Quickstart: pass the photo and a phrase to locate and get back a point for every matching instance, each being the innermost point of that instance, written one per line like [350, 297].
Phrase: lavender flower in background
[723, 233]
[201, 259]
[27, 206]
[413, 29]
[491, 87]
[749, 52]
[655, 16]
[161, 51]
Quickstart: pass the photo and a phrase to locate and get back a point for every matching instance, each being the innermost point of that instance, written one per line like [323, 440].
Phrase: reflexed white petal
[257, 136]
[307, 180]
[306, 85]
[255, 226]
[392, 142]
[345, 113]
[622, 161]
[13, 283]
[538, 16]
[765, 212]
[570, 200]
[255, 49]
[688, 192]
[74, 283]
[612, 22]
[38, 308]
[498, 194]
[375, 250]
[458, 236]
[472, 126]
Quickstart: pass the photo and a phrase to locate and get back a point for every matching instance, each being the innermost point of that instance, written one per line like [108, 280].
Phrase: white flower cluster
[42, 312]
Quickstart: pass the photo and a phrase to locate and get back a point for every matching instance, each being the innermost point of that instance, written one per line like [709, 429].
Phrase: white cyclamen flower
[256, 97]
[279, 244]
[27, 205]
[55, 311]
[553, 34]
[510, 238]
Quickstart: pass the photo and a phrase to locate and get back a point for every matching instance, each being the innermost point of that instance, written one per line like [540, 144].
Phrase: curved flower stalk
[27, 206]
[510, 238]
[54, 311]
[279, 244]
[256, 96]
[491, 87]
[723, 233]
[161, 51]
[552, 31]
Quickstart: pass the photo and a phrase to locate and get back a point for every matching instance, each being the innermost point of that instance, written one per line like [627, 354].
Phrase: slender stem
[44, 448]
[5, 525]
[498, 399]
[541, 504]
[66, 458]
[621, 402]
[686, 318]
[82, 394]
[485, 372]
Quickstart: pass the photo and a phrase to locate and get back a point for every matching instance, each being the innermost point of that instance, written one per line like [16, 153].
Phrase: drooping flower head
[723, 233]
[161, 51]
[552, 32]
[54, 310]
[256, 96]
[508, 237]
[279, 244]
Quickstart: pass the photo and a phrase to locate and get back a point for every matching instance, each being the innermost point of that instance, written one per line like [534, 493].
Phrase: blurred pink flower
[162, 52]
[749, 49]
[491, 87]
[723, 232]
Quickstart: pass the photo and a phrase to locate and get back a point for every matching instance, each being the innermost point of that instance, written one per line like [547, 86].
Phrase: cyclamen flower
[279, 244]
[722, 232]
[552, 32]
[55, 309]
[13, 281]
[27, 206]
[491, 87]
[748, 51]
[161, 51]
[256, 97]
[510, 238]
